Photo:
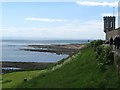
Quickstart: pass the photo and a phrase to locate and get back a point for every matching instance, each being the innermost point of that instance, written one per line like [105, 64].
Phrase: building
[111, 31]
[109, 27]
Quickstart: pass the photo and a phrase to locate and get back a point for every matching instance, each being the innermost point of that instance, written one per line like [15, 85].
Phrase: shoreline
[25, 66]
[69, 49]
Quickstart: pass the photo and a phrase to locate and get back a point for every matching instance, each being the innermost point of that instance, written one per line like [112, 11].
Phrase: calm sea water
[11, 50]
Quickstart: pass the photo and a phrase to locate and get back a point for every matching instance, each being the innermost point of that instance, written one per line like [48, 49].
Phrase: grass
[12, 80]
[79, 71]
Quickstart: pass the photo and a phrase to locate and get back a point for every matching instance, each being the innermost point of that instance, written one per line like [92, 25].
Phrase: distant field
[79, 71]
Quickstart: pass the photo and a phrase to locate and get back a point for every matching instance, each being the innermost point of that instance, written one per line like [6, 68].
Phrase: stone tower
[109, 25]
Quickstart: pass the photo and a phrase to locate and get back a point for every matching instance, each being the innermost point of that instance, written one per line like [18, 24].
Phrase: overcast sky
[81, 19]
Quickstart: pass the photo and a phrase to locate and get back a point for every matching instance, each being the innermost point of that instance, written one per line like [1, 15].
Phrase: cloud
[46, 20]
[109, 14]
[92, 3]
[71, 30]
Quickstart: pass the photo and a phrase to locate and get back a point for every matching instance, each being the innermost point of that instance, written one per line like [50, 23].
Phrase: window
[111, 24]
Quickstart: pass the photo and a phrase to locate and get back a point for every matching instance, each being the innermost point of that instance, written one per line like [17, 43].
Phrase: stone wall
[117, 60]
[113, 33]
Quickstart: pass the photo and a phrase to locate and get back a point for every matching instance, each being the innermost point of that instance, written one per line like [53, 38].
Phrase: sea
[11, 50]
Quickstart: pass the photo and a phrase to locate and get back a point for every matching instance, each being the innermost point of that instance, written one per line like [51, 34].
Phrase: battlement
[109, 16]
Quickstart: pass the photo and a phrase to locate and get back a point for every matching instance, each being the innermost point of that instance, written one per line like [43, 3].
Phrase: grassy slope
[82, 71]
[11, 80]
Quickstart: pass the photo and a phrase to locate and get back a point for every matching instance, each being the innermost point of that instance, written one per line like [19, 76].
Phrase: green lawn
[11, 80]
[79, 71]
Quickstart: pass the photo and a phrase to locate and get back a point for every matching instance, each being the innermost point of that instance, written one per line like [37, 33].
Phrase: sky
[119, 14]
[58, 19]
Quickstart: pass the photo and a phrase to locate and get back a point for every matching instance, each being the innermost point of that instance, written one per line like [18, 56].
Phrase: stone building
[111, 31]
[109, 27]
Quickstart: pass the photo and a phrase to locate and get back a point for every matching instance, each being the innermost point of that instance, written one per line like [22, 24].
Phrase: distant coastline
[22, 51]
[69, 49]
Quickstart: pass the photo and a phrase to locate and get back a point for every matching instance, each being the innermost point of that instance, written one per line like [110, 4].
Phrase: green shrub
[108, 57]
[104, 55]
[96, 43]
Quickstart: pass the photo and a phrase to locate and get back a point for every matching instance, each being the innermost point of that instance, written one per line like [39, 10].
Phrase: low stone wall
[117, 60]
[113, 33]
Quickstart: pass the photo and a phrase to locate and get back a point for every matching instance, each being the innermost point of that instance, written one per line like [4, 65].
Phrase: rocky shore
[24, 66]
[69, 49]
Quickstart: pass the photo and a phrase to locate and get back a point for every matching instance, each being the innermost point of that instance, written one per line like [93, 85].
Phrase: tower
[109, 25]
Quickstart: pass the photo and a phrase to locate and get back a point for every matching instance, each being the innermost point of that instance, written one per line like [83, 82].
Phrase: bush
[108, 57]
[104, 55]
[96, 43]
